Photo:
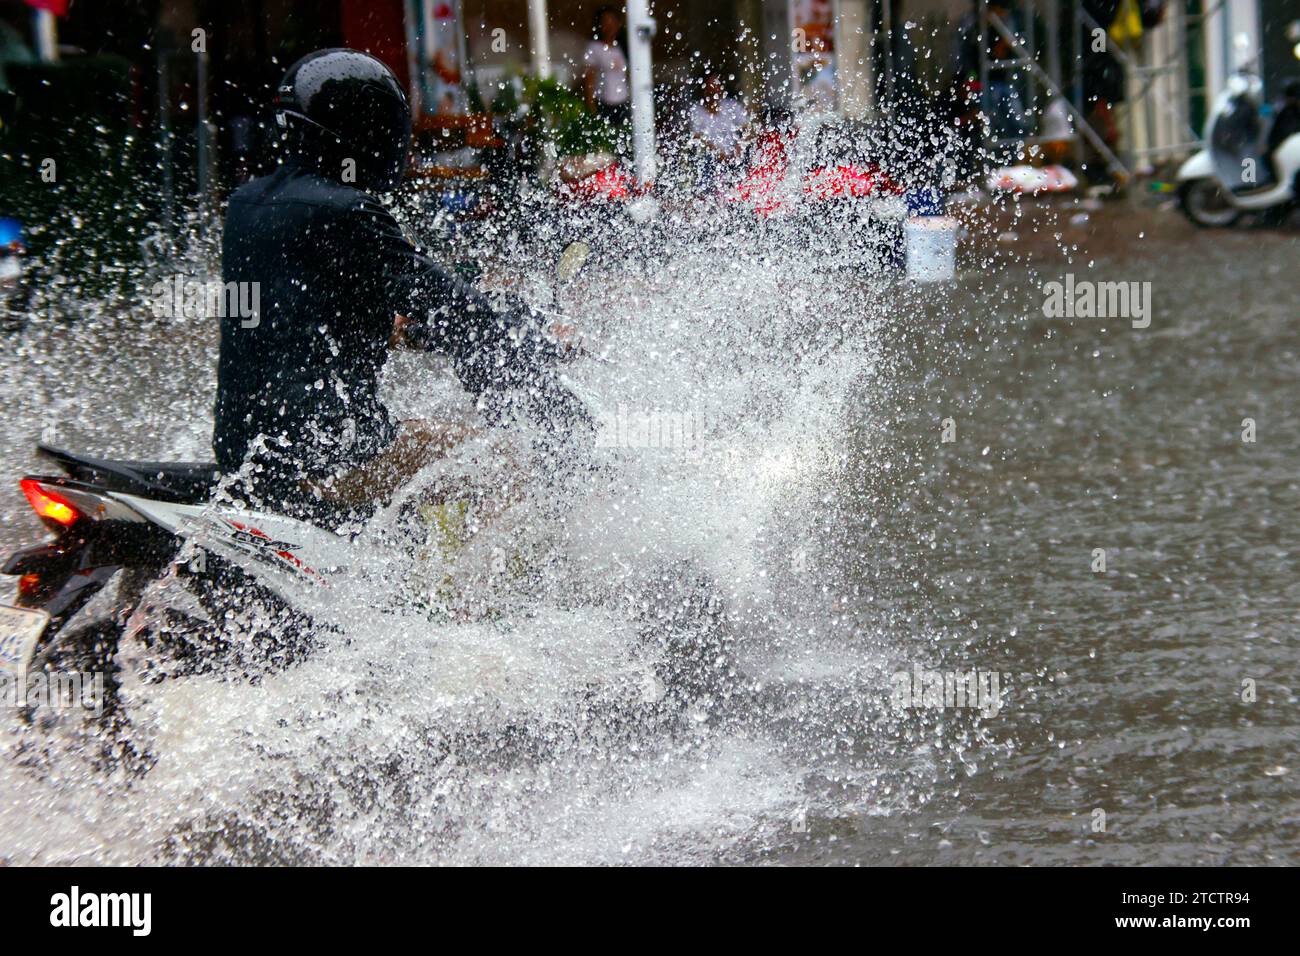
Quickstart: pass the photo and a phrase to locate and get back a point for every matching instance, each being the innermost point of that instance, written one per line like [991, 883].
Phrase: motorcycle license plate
[20, 629]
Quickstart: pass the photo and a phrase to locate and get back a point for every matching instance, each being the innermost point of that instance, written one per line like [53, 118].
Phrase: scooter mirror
[571, 260]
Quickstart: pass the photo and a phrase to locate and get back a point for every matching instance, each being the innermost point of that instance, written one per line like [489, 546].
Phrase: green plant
[564, 119]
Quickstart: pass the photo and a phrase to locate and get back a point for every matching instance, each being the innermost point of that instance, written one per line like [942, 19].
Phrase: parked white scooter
[1232, 175]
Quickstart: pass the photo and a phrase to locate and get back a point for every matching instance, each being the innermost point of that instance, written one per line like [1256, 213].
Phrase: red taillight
[49, 504]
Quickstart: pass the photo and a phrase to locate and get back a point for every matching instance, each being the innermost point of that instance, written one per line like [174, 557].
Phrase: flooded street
[1125, 688]
[1099, 520]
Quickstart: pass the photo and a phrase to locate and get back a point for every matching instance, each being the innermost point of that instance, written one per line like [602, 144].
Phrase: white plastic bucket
[931, 248]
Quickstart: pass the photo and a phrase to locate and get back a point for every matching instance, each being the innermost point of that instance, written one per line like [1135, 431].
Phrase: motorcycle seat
[182, 482]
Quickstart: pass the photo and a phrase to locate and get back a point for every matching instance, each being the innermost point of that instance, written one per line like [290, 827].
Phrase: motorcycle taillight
[49, 504]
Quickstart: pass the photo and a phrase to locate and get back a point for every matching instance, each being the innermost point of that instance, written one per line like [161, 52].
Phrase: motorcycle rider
[297, 404]
[1286, 123]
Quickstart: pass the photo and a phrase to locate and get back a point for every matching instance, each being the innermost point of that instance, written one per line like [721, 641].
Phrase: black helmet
[338, 105]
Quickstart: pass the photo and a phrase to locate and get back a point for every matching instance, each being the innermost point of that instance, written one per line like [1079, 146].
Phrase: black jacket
[332, 269]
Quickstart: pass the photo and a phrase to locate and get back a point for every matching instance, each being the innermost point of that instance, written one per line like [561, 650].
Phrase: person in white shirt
[718, 125]
[718, 122]
[605, 79]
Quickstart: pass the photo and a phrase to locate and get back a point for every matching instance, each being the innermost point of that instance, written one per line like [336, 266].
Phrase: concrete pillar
[853, 57]
[539, 38]
[640, 30]
[46, 26]
[1232, 40]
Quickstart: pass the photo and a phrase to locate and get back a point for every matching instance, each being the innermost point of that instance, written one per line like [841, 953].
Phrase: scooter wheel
[1207, 205]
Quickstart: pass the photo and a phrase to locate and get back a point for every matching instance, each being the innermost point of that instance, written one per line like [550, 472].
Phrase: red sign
[57, 7]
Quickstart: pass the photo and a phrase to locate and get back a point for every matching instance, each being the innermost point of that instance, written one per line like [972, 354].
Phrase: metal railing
[1156, 81]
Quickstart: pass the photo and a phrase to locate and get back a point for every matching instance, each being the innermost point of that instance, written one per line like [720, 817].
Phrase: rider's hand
[563, 332]
[398, 339]
[565, 340]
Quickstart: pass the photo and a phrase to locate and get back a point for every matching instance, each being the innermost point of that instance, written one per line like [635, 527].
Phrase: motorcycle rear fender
[63, 601]
[60, 576]
[63, 574]
[94, 544]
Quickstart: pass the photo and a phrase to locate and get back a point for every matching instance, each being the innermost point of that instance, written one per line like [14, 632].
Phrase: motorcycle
[136, 522]
[131, 519]
[1232, 175]
[125, 530]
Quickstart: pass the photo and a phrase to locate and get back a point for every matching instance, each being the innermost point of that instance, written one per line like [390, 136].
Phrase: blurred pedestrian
[605, 80]
[718, 123]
